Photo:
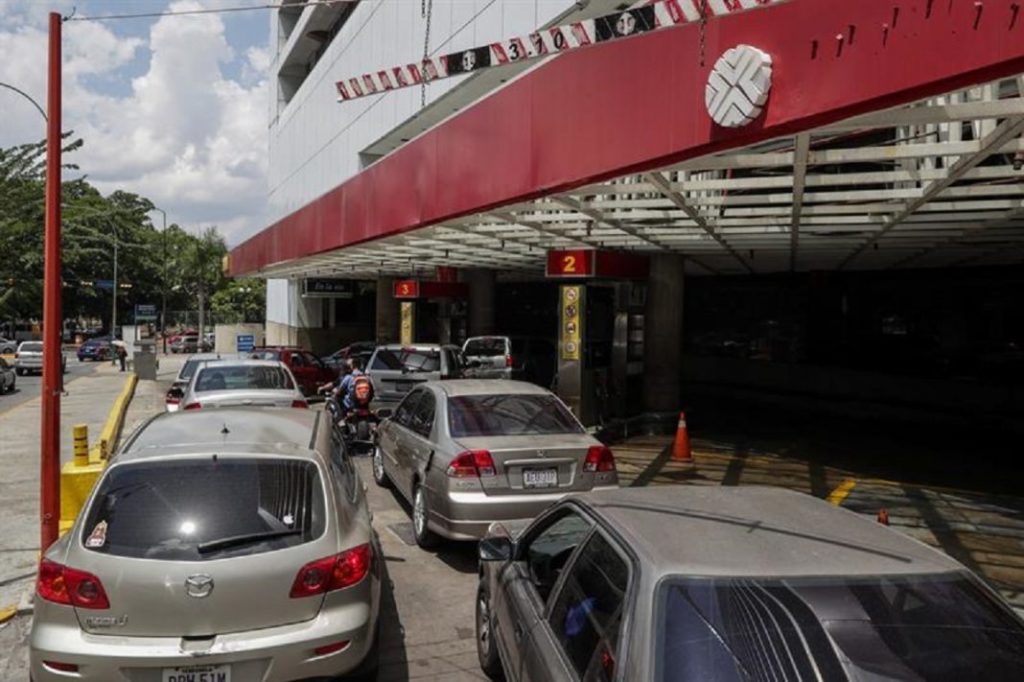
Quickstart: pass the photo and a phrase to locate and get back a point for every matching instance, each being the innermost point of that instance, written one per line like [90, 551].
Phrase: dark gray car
[396, 369]
[679, 583]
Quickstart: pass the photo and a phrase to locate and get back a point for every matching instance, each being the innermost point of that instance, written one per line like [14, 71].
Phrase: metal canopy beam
[800, 154]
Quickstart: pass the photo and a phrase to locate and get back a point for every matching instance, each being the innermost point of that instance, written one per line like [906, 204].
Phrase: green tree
[240, 300]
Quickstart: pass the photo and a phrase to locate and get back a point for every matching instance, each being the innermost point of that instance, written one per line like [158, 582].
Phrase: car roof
[756, 531]
[415, 346]
[254, 430]
[458, 387]
[243, 362]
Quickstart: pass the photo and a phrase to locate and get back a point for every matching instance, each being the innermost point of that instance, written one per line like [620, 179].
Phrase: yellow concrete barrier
[78, 476]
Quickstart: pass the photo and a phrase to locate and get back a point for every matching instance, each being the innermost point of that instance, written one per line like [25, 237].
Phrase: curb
[103, 448]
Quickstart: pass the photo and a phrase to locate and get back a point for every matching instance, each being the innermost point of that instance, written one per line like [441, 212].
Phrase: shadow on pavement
[394, 663]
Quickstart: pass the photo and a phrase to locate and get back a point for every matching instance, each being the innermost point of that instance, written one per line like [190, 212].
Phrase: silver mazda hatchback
[222, 545]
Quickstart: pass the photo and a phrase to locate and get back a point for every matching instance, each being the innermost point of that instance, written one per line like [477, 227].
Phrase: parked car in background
[29, 358]
[227, 383]
[395, 369]
[172, 399]
[360, 349]
[309, 370]
[184, 343]
[7, 377]
[523, 358]
[472, 452]
[596, 589]
[233, 545]
[209, 340]
[95, 349]
[8, 346]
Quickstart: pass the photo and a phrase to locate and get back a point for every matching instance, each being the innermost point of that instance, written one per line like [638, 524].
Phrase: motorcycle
[358, 425]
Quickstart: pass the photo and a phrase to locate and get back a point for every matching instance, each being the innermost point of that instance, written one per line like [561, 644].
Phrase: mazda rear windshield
[242, 378]
[198, 509]
[407, 360]
[937, 627]
[32, 347]
[470, 416]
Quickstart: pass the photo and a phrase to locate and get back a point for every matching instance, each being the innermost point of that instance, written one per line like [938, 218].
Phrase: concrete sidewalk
[88, 401]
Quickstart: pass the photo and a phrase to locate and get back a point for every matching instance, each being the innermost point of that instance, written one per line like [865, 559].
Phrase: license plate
[198, 673]
[540, 478]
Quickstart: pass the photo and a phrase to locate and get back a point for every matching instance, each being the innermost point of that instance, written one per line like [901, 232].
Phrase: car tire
[486, 649]
[425, 537]
[380, 476]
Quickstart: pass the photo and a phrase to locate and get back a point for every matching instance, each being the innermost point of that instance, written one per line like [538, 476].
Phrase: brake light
[172, 401]
[62, 585]
[599, 458]
[61, 667]
[192, 406]
[508, 360]
[299, 403]
[330, 648]
[332, 573]
[471, 464]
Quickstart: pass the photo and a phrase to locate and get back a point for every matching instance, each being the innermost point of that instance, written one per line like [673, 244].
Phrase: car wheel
[380, 477]
[425, 537]
[486, 649]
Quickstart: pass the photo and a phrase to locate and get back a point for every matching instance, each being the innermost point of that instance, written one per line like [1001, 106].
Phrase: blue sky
[172, 108]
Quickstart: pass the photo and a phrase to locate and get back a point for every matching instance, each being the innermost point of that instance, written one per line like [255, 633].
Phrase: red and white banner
[548, 41]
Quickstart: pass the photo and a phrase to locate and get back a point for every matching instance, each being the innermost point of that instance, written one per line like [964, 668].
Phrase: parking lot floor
[982, 530]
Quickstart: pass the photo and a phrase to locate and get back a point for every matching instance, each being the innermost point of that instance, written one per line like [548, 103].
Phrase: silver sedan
[470, 452]
[259, 383]
[223, 546]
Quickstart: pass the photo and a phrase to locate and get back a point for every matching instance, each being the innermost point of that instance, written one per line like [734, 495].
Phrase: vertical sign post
[408, 325]
[571, 336]
[49, 459]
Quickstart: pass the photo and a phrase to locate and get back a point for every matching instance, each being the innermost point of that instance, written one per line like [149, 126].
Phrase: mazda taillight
[599, 458]
[471, 464]
[63, 585]
[299, 403]
[332, 573]
[192, 406]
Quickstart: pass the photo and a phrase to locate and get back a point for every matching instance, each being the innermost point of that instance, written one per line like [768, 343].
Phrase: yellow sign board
[408, 324]
[571, 332]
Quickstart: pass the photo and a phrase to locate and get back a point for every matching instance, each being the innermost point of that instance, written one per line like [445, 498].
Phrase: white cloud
[187, 137]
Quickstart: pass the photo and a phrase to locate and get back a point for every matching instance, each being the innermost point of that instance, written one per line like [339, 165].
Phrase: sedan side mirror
[385, 413]
[495, 549]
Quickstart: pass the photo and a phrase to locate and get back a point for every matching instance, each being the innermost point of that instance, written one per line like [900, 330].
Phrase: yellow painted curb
[837, 496]
[8, 612]
[103, 448]
[77, 480]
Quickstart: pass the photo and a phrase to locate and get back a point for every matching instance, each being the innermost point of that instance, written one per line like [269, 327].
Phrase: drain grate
[404, 532]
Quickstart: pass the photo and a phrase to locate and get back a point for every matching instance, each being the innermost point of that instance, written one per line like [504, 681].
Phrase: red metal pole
[49, 497]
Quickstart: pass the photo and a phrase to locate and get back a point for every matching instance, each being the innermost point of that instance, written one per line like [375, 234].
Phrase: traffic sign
[104, 284]
[588, 263]
[145, 312]
[245, 343]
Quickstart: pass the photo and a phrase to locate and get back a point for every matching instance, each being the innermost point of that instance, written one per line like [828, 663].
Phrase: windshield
[489, 347]
[242, 378]
[197, 509]
[509, 415]
[407, 359]
[31, 348]
[919, 627]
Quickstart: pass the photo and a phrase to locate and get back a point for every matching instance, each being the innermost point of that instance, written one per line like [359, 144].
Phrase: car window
[587, 612]
[265, 355]
[547, 551]
[188, 369]
[509, 415]
[407, 359]
[31, 348]
[242, 377]
[422, 419]
[941, 627]
[312, 360]
[180, 510]
[296, 360]
[403, 413]
[342, 466]
[486, 347]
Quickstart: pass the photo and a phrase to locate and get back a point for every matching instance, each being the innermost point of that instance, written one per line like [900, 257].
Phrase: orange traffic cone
[681, 446]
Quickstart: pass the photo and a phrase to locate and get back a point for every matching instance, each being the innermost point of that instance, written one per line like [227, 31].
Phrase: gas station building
[795, 198]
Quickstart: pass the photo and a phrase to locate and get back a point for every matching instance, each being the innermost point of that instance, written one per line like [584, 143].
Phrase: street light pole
[113, 312]
[49, 455]
[163, 281]
[26, 96]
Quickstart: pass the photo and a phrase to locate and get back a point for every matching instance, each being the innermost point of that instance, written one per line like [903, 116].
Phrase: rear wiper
[236, 540]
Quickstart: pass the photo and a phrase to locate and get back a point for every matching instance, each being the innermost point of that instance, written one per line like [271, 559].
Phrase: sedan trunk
[533, 463]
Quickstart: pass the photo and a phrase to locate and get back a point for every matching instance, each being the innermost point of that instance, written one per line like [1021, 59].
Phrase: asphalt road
[28, 386]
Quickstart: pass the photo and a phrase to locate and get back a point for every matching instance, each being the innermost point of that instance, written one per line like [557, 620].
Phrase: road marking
[837, 496]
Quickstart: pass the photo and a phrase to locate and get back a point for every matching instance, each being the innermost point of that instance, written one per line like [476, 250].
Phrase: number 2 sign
[574, 263]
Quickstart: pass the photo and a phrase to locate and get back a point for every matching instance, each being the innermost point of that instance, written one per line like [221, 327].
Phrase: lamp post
[163, 280]
[26, 96]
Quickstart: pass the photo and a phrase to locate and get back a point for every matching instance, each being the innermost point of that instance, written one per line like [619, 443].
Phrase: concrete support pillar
[387, 311]
[481, 301]
[663, 334]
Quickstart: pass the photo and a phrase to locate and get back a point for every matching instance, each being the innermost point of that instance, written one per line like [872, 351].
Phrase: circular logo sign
[738, 86]
[468, 60]
[626, 24]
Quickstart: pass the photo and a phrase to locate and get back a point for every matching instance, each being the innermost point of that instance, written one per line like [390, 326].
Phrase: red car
[309, 370]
